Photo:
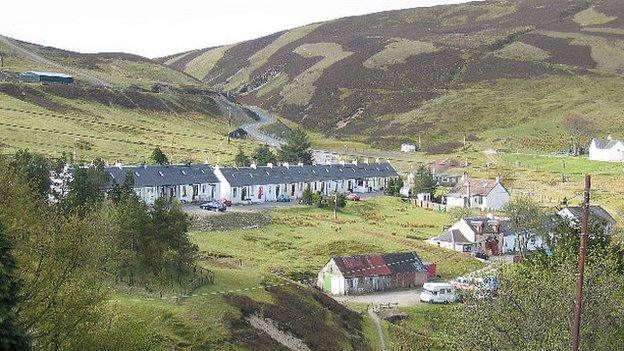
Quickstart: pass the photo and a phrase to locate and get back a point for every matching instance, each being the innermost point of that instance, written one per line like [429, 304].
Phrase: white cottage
[474, 234]
[267, 183]
[485, 194]
[606, 150]
[186, 182]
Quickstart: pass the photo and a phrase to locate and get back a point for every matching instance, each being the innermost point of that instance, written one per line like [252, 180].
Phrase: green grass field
[90, 130]
[298, 242]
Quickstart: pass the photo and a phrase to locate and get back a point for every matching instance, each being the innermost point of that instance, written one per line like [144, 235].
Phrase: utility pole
[578, 307]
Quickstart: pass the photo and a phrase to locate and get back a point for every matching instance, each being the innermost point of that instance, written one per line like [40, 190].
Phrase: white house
[266, 183]
[597, 216]
[186, 183]
[474, 234]
[408, 147]
[606, 150]
[349, 275]
[478, 193]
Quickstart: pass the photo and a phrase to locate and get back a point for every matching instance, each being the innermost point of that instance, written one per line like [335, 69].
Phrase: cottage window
[204, 188]
[234, 192]
[183, 191]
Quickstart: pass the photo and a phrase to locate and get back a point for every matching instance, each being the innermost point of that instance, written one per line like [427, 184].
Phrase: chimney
[464, 177]
[300, 164]
[253, 165]
[286, 165]
[270, 165]
[354, 162]
[609, 137]
[497, 180]
[118, 165]
[377, 160]
[342, 163]
[366, 160]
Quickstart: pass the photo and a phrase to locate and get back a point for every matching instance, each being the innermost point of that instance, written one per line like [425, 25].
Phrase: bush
[307, 197]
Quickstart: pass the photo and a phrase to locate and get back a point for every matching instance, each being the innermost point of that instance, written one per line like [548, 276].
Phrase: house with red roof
[351, 275]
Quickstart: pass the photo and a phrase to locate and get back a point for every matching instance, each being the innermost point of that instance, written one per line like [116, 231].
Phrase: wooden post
[578, 307]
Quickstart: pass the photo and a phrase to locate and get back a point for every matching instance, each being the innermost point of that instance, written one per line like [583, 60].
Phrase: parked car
[213, 206]
[353, 197]
[438, 293]
[283, 198]
[226, 202]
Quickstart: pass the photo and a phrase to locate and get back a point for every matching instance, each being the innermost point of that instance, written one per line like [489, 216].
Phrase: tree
[297, 148]
[86, 187]
[307, 196]
[34, 170]
[424, 182]
[458, 213]
[533, 307]
[12, 335]
[241, 160]
[158, 157]
[527, 220]
[394, 186]
[579, 128]
[61, 258]
[263, 155]
[120, 192]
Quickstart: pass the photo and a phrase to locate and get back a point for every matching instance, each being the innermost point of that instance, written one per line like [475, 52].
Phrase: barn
[46, 77]
[351, 275]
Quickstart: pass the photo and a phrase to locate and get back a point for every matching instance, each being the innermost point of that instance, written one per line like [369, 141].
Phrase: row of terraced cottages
[201, 182]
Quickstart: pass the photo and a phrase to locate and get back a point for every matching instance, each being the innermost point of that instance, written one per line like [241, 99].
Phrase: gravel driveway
[404, 298]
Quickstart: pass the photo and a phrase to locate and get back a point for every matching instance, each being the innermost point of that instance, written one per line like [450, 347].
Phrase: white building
[597, 216]
[186, 183]
[266, 183]
[484, 194]
[408, 147]
[474, 234]
[606, 150]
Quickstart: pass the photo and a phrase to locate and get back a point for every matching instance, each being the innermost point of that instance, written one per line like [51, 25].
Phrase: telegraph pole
[578, 307]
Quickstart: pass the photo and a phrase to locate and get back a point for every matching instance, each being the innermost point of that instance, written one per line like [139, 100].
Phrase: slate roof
[605, 144]
[453, 236]
[165, 175]
[374, 265]
[481, 187]
[246, 176]
[595, 212]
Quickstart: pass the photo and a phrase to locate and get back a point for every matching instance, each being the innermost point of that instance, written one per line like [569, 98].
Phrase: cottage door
[326, 282]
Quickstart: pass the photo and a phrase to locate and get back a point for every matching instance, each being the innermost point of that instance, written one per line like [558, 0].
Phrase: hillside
[111, 69]
[493, 69]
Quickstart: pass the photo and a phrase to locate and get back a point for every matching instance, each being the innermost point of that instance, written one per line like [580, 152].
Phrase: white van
[438, 293]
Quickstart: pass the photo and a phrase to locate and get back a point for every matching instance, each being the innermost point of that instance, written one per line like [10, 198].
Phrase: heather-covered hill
[391, 76]
[114, 69]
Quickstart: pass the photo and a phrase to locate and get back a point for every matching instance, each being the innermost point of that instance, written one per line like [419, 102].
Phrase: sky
[157, 28]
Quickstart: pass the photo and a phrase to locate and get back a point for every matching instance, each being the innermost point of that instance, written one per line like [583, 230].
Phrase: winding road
[253, 128]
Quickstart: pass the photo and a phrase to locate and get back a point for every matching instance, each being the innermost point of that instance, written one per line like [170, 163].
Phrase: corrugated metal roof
[157, 175]
[374, 265]
[246, 176]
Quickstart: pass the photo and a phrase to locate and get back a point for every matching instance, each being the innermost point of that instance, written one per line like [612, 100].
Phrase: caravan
[438, 293]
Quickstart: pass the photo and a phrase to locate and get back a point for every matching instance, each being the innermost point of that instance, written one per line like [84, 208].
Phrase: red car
[226, 202]
[353, 197]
